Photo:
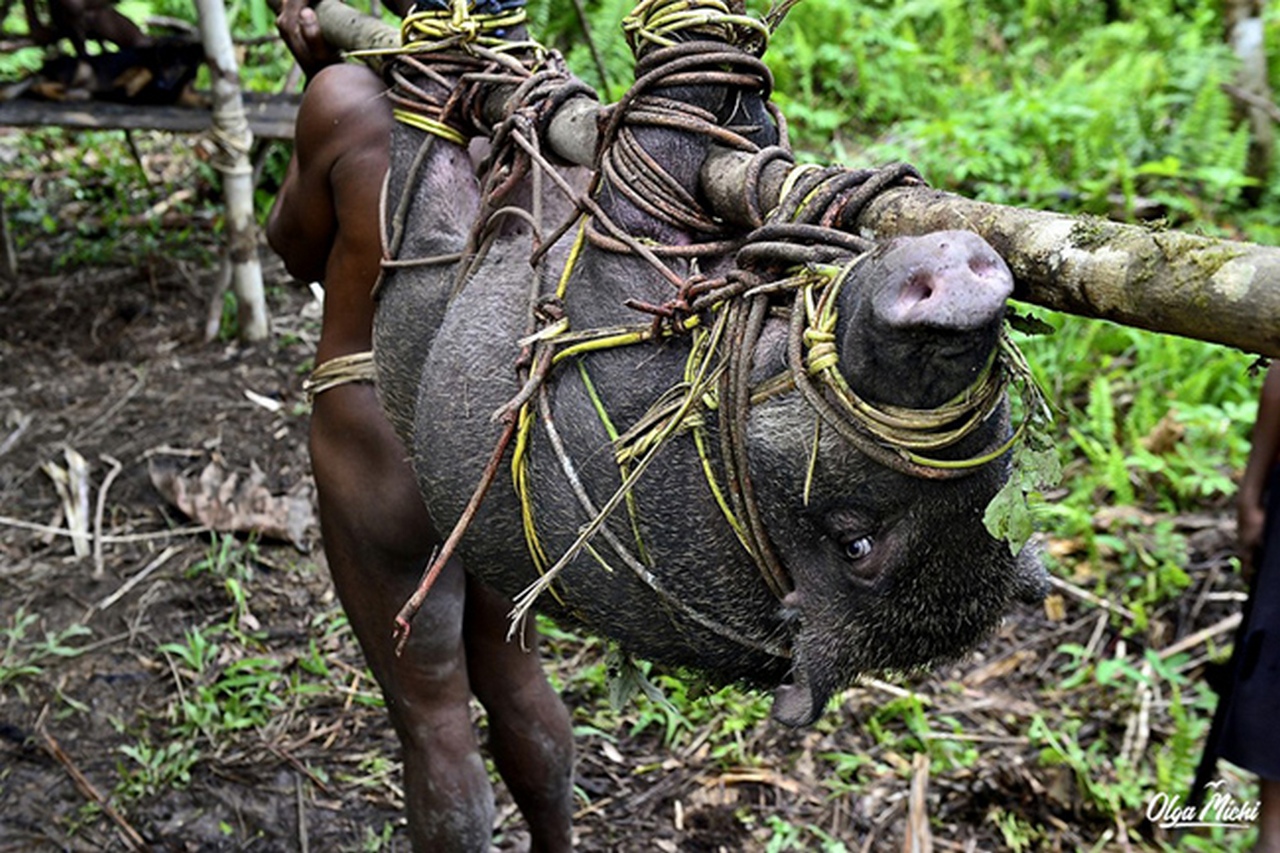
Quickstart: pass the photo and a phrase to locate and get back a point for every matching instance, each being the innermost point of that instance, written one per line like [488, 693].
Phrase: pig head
[893, 570]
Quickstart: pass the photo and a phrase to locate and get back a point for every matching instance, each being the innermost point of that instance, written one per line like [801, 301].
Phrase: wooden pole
[1221, 291]
[232, 138]
[1246, 33]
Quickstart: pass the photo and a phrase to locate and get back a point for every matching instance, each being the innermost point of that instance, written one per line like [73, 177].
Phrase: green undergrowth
[233, 685]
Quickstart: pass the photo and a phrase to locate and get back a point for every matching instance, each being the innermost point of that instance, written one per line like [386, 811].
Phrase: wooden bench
[270, 116]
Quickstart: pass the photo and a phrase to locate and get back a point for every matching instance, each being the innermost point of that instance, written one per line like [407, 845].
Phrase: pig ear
[1030, 578]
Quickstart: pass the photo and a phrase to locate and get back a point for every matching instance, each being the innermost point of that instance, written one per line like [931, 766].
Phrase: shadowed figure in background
[1248, 685]
[80, 21]
[1250, 703]
[377, 534]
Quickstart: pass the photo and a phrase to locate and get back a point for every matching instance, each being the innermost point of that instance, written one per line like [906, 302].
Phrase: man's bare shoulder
[344, 98]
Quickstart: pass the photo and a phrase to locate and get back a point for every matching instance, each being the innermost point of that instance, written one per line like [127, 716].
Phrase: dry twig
[116, 468]
[1222, 626]
[918, 838]
[72, 484]
[49, 530]
[131, 837]
[1084, 595]
[137, 579]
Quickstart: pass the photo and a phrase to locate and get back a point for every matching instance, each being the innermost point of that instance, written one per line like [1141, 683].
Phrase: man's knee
[499, 666]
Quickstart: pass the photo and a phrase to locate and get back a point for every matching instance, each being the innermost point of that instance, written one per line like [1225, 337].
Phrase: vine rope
[794, 264]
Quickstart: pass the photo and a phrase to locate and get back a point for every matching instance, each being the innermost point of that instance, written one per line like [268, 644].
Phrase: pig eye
[859, 549]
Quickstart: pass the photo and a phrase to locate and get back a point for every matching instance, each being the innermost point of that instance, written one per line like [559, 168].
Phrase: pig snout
[945, 280]
[920, 316]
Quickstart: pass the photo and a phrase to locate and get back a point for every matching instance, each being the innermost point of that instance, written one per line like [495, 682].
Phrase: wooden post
[1247, 37]
[8, 256]
[232, 138]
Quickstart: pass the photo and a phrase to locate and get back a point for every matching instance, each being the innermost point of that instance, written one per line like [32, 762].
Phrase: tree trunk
[1247, 37]
[1220, 291]
[232, 139]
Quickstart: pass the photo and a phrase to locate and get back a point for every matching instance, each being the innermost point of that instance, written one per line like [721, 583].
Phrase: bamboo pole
[232, 139]
[1220, 291]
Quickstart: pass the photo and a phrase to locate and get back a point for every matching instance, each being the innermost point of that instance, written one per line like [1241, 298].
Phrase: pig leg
[377, 533]
[81, 20]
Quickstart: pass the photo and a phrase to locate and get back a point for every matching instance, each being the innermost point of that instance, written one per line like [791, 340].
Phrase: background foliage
[1083, 107]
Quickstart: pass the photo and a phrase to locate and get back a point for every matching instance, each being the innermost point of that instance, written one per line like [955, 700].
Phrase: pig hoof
[793, 706]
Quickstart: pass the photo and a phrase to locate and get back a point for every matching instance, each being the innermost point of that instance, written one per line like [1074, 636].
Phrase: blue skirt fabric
[1251, 718]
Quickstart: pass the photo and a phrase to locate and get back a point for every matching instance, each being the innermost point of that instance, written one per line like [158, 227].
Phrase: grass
[232, 685]
[25, 651]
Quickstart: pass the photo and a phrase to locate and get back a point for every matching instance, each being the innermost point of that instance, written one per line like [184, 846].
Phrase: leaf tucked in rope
[1036, 463]
[626, 679]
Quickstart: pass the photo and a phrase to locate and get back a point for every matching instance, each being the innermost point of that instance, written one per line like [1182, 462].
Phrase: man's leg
[377, 538]
[530, 736]
[1269, 817]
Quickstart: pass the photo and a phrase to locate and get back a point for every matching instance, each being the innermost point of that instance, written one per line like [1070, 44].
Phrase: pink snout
[946, 280]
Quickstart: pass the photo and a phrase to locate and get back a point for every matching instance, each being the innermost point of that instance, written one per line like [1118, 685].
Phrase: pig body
[886, 570]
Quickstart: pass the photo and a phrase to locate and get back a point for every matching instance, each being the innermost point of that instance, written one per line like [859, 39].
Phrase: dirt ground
[111, 363]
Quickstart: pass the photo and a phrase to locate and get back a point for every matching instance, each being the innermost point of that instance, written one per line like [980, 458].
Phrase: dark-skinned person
[1243, 730]
[376, 532]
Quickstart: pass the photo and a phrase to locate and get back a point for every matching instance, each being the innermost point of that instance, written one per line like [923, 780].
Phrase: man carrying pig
[377, 534]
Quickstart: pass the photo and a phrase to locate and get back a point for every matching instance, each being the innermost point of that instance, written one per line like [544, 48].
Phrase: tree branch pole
[232, 139]
[1220, 291]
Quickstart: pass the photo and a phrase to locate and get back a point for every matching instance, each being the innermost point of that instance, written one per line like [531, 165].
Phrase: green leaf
[1036, 467]
[1028, 324]
[626, 679]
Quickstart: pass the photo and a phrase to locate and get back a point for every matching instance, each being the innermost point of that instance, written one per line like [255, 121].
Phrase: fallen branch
[132, 839]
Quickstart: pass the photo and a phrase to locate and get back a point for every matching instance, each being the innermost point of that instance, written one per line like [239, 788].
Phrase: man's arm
[303, 222]
[340, 151]
[1251, 513]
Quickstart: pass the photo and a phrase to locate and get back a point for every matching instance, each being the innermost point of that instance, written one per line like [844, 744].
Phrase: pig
[158, 73]
[83, 20]
[886, 569]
